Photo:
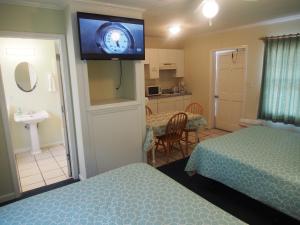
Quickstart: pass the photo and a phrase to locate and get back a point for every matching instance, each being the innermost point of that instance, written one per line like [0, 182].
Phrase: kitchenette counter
[169, 102]
[168, 95]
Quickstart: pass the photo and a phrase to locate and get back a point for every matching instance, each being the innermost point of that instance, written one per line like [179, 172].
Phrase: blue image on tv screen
[105, 38]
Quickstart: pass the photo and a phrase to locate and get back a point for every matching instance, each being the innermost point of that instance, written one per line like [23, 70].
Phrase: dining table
[156, 126]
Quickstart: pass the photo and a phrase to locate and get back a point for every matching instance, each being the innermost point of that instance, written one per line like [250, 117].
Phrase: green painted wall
[24, 19]
[30, 19]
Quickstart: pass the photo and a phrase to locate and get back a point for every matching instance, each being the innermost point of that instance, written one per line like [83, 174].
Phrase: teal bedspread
[261, 162]
[134, 194]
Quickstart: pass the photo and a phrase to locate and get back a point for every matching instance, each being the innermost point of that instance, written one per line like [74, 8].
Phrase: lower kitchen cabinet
[169, 104]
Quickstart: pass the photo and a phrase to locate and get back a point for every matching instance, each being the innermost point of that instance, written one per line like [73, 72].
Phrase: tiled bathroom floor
[42, 169]
[161, 159]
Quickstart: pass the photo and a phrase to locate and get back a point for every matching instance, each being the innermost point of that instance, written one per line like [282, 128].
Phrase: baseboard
[81, 177]
[8, 197]
[20, 150]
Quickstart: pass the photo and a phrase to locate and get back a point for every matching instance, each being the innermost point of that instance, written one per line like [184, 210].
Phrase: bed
[261, 162]
[134, 194]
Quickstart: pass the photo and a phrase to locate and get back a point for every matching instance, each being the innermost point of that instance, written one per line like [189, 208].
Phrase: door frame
[213, 73]
[67, 101]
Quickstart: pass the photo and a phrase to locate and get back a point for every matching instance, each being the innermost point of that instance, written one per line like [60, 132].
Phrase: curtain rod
[280, 36]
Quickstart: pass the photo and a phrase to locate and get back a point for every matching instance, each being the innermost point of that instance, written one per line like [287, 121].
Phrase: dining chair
[148, 111]
[173, 134]
[194, 108]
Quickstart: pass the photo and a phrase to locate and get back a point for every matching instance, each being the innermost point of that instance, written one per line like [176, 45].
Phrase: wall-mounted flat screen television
[109, 37]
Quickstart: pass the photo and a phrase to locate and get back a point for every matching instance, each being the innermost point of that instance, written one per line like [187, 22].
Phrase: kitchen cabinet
[179, 105]
[169, 104]
[162, 58]
[166, 107]
[152, 104]
[147, 56]
[179, 63]
[167, 56]
[153, 63]
[187, 99]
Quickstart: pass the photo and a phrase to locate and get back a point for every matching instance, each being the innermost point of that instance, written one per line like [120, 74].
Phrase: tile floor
[42, 169]
[176, 155]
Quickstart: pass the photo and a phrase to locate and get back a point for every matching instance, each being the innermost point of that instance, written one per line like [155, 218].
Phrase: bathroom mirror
[25, 77]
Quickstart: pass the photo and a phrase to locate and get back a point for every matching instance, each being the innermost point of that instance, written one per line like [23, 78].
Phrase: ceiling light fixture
[210, 9]
[174, 29]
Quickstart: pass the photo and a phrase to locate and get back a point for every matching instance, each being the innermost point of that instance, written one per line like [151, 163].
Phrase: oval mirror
[25, 77]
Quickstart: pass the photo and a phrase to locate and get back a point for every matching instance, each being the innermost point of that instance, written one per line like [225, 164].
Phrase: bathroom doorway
[33, 83]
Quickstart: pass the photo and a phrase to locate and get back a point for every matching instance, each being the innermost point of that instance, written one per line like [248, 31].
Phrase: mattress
[134, 194]
[261, 162]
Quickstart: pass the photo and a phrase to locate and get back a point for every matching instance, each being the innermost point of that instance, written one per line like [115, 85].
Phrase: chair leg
[157, 144]
[166, 150]
[197, 136]
[181, 149]
[186, 142]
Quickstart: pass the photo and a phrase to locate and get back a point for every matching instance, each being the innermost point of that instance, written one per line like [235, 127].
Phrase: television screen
[109, 37]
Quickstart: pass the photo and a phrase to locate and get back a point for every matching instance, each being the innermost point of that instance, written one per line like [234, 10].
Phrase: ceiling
[160, 14]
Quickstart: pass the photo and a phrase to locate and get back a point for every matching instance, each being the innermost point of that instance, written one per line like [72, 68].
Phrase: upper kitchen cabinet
[147, 56]
[179, 63]
[167, 58]
[164, 59]
[152, 63]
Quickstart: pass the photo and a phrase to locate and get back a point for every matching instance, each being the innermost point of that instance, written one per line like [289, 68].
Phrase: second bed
[261, 162]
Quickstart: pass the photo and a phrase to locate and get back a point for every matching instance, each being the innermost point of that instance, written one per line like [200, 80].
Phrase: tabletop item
[133, 194]
[261, 162]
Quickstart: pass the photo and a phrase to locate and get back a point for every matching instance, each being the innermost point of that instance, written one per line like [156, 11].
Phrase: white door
[229, 89]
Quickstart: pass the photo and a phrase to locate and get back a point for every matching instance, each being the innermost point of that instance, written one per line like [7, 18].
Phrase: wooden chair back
[175, 127]
[194, 108]
[148, 111]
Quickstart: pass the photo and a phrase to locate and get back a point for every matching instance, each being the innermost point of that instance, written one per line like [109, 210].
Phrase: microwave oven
[153, 90]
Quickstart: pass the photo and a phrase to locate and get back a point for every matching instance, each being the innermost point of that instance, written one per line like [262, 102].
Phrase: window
[280, 91]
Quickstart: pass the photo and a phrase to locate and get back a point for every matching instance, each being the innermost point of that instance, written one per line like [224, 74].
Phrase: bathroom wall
[44, 62]
[23, 19]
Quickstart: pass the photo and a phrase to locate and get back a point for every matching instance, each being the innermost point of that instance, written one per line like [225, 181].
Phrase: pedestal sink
[31, 120]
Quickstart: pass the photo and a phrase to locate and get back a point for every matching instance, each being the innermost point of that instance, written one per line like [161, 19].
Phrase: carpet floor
[40, 190]
[235, 203]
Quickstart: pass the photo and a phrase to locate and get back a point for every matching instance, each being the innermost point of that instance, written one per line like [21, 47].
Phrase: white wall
[87, 156]
[104, 77]
[44, 62]
[198, 65]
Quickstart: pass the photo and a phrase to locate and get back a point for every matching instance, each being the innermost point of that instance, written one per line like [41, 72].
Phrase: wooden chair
[173, 134]
[194, 108]
[148, 111]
